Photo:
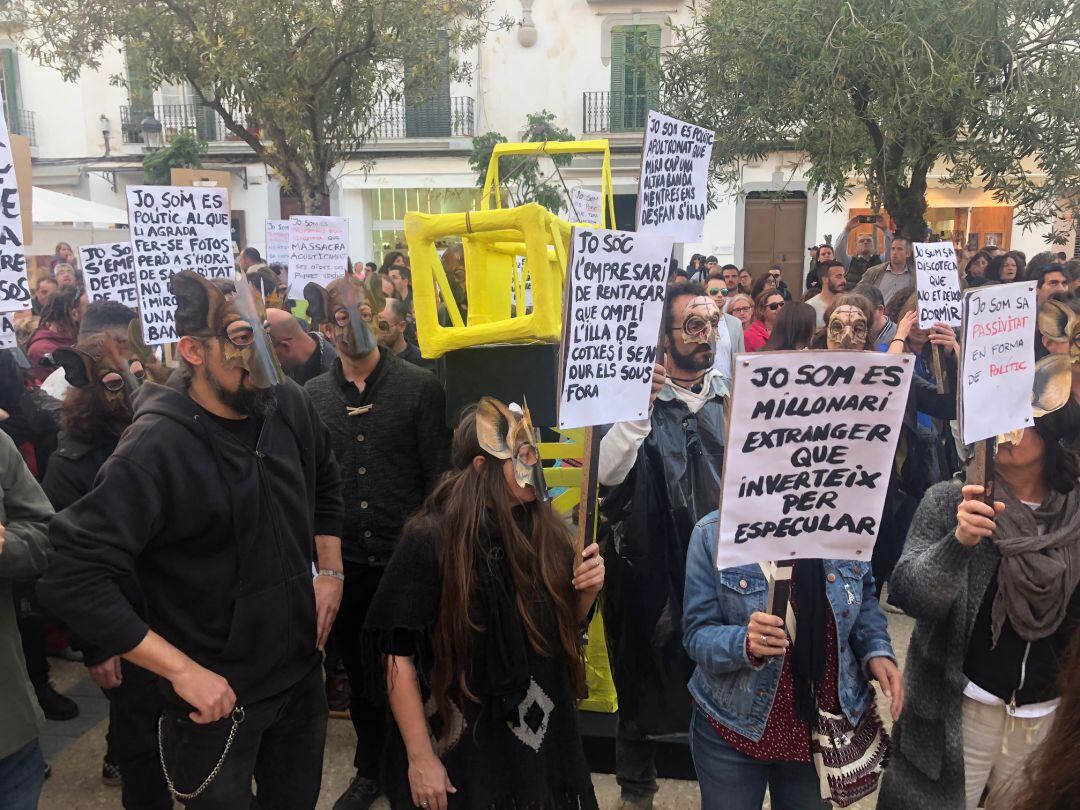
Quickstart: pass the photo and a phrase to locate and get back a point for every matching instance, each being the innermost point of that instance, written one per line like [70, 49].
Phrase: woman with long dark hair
[1006, 268]
[59, 326]
[480, 616]
[794, 328]
[767, 307]
[975, 272]
[995, 592]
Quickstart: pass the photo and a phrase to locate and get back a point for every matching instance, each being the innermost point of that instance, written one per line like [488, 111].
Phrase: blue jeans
[730, 780]
[21, 777]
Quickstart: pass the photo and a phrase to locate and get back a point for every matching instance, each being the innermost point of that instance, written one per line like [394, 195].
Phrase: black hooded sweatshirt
[219, 535]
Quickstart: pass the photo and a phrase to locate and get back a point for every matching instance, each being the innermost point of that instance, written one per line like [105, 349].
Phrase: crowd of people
[286, 523]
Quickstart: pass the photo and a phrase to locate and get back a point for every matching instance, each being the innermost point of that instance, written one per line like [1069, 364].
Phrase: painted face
[700, 318]
[507, 433]
[847, 328]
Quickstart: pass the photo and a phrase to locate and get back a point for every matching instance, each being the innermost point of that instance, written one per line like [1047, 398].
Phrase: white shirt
[56, 385]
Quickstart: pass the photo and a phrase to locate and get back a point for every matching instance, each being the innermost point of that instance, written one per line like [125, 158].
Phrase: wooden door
[774, 234]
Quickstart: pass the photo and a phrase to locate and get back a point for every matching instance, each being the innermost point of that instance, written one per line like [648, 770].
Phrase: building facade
[586, 61]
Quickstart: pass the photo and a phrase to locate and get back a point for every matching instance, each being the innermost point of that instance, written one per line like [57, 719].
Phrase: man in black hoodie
[218, 498]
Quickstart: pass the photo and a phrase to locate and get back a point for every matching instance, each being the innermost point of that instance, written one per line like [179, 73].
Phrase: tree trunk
[906, 203]
[312, 191]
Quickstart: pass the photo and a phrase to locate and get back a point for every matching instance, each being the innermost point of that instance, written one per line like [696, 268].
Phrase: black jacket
[391, 454]
[220, 536]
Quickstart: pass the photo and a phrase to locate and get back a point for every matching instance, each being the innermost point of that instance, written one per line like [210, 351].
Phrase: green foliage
[522, 177]
[311, 74]
[183, 152]
[886, 93]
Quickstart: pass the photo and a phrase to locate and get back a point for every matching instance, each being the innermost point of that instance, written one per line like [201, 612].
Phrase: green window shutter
[11, 92]
[618, 78]
[652, 77]
[427, 115]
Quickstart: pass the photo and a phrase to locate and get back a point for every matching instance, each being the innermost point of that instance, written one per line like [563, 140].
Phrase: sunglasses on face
[774, 275]
[714, 290]
[775, 305]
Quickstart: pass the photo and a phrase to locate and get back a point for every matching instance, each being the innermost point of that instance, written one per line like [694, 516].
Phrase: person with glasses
[866, 254]
[775, 274]
[714, 288]
[221, 494]
[659, 475]
[767, 308]
[742, 307]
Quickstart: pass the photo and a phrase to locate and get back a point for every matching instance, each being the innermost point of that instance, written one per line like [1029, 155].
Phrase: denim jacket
[716, 608]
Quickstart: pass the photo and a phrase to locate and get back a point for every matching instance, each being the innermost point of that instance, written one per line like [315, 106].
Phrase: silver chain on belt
[237, 719]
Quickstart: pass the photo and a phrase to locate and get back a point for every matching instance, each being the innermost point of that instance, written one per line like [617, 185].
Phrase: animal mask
[268, 285]
[847, 328]
[507, 433]
[347, 306]
[204, 311]
[1059, 323]
[98, 362]
[700, 319]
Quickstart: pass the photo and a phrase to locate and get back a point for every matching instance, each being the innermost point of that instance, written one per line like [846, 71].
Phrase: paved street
[75, 750]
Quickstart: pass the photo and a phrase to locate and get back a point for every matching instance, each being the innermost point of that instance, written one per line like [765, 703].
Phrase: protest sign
[175, 228]
[7, 331]
[586, 206]
[14, 285]
[937, 284]
[109, 272]
[997, 365]
[615, 302]
[318, 251]
[810, 448]
[672, 191]
[277, 241]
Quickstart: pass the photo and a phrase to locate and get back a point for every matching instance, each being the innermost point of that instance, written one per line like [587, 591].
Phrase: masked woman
[994, 591]
[763, 684]
[480, 616]
[95, 412]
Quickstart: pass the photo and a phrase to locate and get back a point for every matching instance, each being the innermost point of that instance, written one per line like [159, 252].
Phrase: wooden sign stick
[590, 461]
[938, 363]
[980, 469]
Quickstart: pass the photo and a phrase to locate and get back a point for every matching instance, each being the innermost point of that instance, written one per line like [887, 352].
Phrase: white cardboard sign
[109, 272]
[617, 283]
[937, 284]
[997, 364]
[14, 285]
[7, 331]
[318, 251]
[586, 206]
[673, 189]
[277, 241]
[811, 445]
[175, 228]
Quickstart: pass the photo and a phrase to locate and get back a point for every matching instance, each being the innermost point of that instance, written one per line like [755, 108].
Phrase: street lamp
[151, 131]
[106, 130]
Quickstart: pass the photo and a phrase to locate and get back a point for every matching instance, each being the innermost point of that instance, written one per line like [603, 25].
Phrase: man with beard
[831, 274]
[94, 414]
[387, 421]
[660, 476]
[219, 496]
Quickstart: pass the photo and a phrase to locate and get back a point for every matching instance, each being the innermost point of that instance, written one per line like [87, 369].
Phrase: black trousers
[280, 743]
[134, 707]
[368, 717]
[635, 762]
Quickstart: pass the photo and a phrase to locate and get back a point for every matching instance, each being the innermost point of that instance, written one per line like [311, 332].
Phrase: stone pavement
[75, 749]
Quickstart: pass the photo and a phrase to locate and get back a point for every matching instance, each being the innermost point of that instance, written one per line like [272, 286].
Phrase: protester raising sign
[937, 283]
[277, 241]
[672, 191]
[14, 286]
[175, 228]
[109, 273]
[997, 366]
[586, 206]
[318, 251]
[615, 305]
[811, 446]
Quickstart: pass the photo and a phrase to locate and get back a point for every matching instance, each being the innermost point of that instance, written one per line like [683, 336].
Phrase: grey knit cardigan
[941, 584]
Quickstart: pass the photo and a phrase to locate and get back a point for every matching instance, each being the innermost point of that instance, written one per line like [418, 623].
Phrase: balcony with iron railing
[606, 111]
[450, 118]
[25, 123]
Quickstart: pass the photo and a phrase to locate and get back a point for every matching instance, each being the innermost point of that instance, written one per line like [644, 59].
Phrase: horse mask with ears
[346, 308]
[97, 363]
[507, 433]
[204, 311]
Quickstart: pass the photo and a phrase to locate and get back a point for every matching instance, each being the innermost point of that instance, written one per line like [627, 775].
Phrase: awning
[51, 206]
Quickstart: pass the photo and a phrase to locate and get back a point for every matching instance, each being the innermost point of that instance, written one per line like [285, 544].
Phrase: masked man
[219, 496]
[661, 475]
[387, 421]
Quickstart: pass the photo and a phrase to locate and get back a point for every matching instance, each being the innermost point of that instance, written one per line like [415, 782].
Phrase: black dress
[520, 747]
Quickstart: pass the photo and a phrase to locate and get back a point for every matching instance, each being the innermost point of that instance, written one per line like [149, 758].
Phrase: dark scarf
[500, 674]
[1038, 572]
[808, 654]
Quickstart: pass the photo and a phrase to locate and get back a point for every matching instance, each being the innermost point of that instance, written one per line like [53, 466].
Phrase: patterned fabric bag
[849, 760]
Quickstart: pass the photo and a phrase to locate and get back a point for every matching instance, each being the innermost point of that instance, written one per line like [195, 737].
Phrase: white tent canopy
[51, 207]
